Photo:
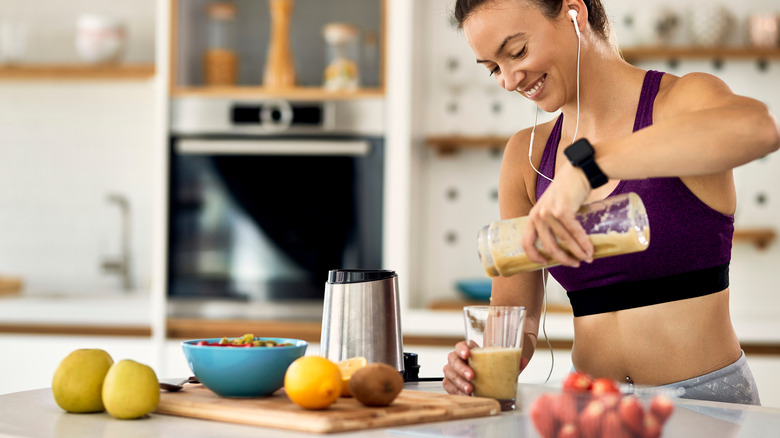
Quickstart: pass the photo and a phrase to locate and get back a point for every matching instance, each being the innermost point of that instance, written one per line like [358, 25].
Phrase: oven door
[264, 219]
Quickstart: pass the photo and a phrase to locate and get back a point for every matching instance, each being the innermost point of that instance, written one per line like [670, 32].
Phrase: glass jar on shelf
[343, 57]
[220, 61]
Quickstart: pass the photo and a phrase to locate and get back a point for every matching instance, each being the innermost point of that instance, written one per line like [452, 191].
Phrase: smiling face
[525, 51]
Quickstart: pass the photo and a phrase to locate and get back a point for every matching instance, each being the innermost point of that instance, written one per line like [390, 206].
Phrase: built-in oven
[267, 196]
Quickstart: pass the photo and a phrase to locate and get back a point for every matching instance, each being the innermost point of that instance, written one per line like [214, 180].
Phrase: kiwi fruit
[376, 384]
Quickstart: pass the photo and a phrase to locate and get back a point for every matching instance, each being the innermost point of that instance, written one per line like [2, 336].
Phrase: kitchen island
[34, 414]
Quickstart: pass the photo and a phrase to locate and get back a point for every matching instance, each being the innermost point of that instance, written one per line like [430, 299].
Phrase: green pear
[78, 381]
[130, 390]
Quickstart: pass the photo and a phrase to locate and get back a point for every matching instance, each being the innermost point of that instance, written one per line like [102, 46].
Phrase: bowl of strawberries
[587, 407]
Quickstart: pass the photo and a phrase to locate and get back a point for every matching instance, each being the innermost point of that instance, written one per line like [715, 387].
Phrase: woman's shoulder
[517, 182]
[690, 92]
[520, 141]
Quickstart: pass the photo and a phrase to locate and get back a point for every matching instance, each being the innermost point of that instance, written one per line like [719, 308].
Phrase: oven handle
[272, 147]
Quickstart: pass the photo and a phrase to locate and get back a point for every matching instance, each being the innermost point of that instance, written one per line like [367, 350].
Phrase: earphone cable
[531, 146]
[544, 327]
[577, 122]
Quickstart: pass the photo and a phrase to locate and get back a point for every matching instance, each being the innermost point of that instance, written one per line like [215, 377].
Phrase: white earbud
[573, 15]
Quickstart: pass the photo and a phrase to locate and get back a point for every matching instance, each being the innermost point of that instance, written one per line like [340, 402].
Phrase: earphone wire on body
[573, 15]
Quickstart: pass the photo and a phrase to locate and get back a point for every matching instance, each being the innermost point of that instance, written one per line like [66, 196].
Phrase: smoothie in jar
[616, 225]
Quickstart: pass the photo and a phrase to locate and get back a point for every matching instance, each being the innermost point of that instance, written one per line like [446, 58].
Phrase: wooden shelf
[760, 237]
[297, 93]
[459, 304]
[68, 72]
[448, 144]
[633, 54]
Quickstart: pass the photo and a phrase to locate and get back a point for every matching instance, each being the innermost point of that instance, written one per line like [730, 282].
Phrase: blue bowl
[475, 289]
[242, 371]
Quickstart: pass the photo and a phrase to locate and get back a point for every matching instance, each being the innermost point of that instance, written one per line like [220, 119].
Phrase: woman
[661, 316]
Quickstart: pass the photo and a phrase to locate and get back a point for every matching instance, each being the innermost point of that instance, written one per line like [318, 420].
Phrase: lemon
[78, 380]
[313, 382]
[131, 390]
[348, 368]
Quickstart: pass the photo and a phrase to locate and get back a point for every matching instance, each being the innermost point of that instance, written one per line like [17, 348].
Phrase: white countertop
[35, 414]
[132, 309]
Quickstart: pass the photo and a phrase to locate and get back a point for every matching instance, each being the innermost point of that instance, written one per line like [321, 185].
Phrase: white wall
[66, 145]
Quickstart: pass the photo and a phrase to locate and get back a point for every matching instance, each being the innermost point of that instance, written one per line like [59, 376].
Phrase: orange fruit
[313, 382]
[348, 368]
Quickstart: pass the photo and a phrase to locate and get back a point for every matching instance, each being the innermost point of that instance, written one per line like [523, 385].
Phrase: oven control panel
[259, 117]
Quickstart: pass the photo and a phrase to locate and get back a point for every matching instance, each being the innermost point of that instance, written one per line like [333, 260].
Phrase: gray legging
[732, 384]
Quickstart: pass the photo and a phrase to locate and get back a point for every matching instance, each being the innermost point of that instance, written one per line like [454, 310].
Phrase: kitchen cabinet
[253, 26]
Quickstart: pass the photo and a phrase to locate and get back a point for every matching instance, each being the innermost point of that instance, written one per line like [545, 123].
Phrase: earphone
[573, 15]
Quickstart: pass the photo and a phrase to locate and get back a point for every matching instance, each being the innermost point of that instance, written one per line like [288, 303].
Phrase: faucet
[121, 265]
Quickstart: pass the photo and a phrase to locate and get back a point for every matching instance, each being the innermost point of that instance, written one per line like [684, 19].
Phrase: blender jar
[616, 225]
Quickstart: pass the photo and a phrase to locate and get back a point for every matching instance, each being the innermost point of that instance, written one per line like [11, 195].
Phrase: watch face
[579, 151]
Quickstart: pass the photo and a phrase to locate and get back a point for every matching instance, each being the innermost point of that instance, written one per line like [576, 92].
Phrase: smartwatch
[580, 154]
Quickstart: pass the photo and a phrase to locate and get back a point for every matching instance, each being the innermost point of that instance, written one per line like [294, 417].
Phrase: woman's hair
[597, 16]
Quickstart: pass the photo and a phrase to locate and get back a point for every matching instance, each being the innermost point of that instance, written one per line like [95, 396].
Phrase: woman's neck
[608, 86]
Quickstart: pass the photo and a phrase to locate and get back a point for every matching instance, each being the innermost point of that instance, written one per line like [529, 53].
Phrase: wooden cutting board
[277, 411]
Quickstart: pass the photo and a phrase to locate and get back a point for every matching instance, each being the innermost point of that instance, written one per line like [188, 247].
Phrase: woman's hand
[457, 373]
[553, 220]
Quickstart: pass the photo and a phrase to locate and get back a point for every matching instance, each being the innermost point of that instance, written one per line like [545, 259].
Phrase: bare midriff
[658, 344]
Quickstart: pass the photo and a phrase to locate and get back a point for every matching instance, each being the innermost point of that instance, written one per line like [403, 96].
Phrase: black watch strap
[580, 154]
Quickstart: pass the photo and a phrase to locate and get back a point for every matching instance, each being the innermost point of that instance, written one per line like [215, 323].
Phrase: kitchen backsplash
[64, 149]
[458, 191]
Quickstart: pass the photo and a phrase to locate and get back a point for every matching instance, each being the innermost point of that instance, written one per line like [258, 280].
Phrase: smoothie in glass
[495, 372]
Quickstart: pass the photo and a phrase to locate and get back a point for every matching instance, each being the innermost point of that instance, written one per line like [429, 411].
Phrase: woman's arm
[700, 128]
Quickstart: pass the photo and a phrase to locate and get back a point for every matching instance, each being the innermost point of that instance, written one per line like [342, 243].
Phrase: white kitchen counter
[35, 414]
[106, 310]
[135, 310]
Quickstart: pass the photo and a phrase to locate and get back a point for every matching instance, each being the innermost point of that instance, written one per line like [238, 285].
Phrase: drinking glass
[495, 334]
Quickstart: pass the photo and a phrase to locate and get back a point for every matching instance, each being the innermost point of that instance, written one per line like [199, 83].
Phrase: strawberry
[577, 381]
[661, 407]
[604, 385]
[566, 408]
[568, 430]
[591, 419]
[652, 427]
[611, 401]
[542, 415]
[632, 414]
[613, 427]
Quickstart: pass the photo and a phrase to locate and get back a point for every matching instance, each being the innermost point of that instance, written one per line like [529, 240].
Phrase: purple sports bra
[690, 243]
